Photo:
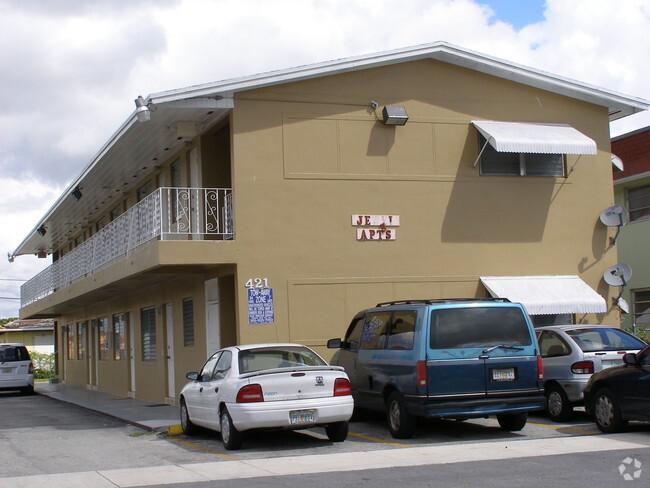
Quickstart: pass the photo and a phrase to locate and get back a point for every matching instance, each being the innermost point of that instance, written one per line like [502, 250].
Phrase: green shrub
[43, 365]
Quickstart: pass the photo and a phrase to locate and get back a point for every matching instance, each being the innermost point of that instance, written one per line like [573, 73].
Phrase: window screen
[188, 322]
[148, 333]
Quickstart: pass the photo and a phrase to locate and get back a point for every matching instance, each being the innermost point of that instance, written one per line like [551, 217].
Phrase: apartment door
[212, 318]
[93, 353]
[169, 324]
[131, 336]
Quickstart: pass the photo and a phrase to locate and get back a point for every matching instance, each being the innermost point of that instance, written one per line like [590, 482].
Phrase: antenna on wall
[619, 275]
[614, 216]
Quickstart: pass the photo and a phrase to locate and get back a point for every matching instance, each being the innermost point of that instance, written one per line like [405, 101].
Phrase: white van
[16, 368]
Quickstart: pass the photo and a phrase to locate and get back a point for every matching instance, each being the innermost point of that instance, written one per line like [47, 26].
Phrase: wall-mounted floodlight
[394, 115]
[76, 193]
[41, 231]
[142, 111]
[10, 257]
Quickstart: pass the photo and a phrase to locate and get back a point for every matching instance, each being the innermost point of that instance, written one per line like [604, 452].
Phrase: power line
[9, 298]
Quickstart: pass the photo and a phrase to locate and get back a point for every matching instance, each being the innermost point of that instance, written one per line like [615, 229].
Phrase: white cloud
[72, 69]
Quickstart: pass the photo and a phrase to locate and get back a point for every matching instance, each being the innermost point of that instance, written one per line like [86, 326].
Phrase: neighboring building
[632, 191]
[273, 207]
[37, 335]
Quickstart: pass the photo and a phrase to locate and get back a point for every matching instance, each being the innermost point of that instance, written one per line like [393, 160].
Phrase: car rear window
[455, 328]
[271, 358]
[13, 353]
[590, 339]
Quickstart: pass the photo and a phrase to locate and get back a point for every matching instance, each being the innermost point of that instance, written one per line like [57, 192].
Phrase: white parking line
[323, 463]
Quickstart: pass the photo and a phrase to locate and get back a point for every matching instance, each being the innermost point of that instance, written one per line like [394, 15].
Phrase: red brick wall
[634, 150]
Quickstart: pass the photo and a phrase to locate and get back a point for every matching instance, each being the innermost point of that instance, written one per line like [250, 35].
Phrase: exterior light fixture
[41, 231]
[76, 193]
[142, 111]
[10, 257]
[394, 115]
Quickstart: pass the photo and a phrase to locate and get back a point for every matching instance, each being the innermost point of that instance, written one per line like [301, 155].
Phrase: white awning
[520, 137]
[547, 295]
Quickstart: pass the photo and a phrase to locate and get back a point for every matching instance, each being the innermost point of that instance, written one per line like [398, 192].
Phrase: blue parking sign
[260, 306]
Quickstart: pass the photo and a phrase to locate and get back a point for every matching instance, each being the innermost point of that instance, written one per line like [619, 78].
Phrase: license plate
[298, 417]
[503, 374]
[7, 370]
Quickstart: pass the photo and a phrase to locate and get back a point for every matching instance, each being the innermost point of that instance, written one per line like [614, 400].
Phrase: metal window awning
[617, 163]
[547, 295]
[523, 137]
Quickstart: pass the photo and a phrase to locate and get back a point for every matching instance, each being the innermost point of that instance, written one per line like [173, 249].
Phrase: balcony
[165, 214]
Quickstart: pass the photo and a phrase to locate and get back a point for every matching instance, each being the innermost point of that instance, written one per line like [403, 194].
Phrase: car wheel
[186, 424]
[337, 432]
[230, 436]
[558, 406]
[29, 390]
[400, 423]
[606, 412]
[513, 422]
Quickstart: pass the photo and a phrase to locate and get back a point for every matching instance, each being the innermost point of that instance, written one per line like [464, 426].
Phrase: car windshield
[275, 357]
[605, 339]
[478, 327]
[13, 353]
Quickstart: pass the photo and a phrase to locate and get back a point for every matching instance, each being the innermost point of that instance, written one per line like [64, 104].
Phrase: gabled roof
[136, 147]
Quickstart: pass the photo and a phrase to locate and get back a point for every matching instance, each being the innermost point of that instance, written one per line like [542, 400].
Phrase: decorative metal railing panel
[167, 213]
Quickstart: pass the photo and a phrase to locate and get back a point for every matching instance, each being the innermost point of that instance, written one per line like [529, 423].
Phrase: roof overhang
[547, 295]
[135, 147]
[521, 137]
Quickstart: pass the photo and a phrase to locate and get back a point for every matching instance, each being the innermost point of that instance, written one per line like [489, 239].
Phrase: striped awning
[547, 295]
[521, 137]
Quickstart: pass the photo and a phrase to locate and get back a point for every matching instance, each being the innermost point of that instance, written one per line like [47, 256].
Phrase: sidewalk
[146, 415]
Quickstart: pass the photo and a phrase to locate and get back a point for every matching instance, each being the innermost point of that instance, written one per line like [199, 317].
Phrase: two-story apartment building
[273, 207]
[632, 191]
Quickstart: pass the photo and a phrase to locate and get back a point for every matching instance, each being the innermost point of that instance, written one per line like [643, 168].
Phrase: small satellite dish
[623, 305]
[614, 216]
[618, 275]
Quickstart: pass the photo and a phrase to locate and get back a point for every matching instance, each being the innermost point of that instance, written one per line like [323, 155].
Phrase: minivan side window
[402, 329]
[373, 334]
[353, 336]
[478, 327]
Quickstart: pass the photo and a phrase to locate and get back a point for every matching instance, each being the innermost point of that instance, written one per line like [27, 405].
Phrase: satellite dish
[623, 305]
[614, 216]
[618, 275]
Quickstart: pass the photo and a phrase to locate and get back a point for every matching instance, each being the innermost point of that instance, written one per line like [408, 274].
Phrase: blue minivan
[443, 358]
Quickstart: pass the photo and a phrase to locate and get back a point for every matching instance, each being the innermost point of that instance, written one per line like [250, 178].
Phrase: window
[103, 337]
[81, 339]
[188, 322]
[373, 335]
[638, 203]
[101, 223]
[145, 190]
[402, 328]
[208, 367]
[552, 345]
[70, 339]
[353, 335]
[519, 164]
[148, 333]
[552, 319]
[119, 338]
[223, 366]
[117, 211]
[641, 309]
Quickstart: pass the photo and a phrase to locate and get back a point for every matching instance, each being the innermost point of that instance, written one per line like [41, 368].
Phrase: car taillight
[342, 387]
[250, 393]
[422, 373]
[540, 368]
[583, 367]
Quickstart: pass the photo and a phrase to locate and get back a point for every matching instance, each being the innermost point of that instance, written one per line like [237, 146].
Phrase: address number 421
[257, 283]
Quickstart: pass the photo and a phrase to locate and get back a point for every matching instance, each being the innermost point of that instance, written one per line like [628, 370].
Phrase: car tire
[513, 422]
[401, 423]
[186, 423]
[29, 390]
[230, 436]
[606, 412]
[558, 406]
[337, 432]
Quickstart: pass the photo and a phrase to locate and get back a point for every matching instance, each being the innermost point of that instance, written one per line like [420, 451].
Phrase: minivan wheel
[558, 406]
[512, 422]
[607, 413]
[400, 423]
[230, 436]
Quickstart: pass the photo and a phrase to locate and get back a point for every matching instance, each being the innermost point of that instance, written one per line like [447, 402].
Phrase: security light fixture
[41, 231]
[76, 193]
[394, 115]
[142, 111]
[10, 257]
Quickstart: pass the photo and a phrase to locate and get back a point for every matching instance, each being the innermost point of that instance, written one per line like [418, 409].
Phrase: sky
[70, 69]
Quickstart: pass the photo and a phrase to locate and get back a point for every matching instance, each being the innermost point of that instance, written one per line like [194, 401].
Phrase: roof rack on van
[442, 300]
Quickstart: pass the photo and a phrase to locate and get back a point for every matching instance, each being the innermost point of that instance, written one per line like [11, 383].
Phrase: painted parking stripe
[375, 439]
[324, 463]
[568, 429]
[203, 449]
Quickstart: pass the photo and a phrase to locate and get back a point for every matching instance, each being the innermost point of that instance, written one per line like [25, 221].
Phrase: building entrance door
[169, 325]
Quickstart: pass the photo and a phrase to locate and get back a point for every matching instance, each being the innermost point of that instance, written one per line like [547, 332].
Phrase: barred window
[188, 322]
[119, 337]
[519, 164]
[103, 337]
[148, 333]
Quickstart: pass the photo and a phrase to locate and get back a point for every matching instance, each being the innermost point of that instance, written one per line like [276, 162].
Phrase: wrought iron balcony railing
[166, 214]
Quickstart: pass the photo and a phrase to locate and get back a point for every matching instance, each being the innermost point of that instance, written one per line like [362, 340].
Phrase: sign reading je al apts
[375, 227]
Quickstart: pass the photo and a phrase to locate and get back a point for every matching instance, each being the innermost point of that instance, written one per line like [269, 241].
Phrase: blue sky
[519, 13]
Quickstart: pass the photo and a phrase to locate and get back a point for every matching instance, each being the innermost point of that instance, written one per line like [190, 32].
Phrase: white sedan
[266, 386]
